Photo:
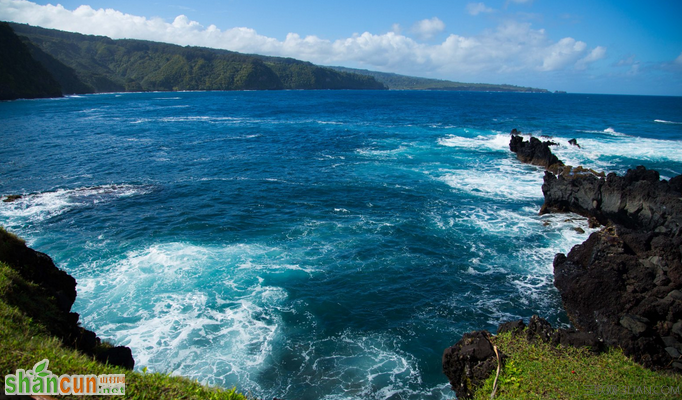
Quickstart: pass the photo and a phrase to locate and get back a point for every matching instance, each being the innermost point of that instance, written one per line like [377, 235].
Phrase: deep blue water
[309, 245]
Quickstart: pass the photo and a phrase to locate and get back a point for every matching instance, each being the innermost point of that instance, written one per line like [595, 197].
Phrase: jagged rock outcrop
[49, 301]
[538, 329]
[638, 200]
[469, 362]
[535, 152]
[624, 284]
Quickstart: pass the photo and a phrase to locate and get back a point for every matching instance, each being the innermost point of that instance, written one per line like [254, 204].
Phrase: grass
[542, 371]
[24, 342]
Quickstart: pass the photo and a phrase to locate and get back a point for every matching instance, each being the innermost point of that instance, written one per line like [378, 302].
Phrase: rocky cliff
[48, 298]
[622, 287]
[624, 283]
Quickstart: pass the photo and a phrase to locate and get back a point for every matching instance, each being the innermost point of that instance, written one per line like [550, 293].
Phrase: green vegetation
[20, 75]
[24, 341]
[87, 63]
[542, 371]
[402, 82]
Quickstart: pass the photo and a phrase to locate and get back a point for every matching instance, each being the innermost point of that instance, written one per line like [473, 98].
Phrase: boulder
[469, 363]
[535, 152]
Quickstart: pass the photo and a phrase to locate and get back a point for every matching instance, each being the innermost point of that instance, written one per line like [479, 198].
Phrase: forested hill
[20, 74]
[90, 64]
[403, 82]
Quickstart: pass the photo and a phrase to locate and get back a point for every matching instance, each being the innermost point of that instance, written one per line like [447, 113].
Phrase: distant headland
[42, 62]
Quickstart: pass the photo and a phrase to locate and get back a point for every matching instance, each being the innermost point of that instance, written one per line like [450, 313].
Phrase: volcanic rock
[469, 362]
[535, 152]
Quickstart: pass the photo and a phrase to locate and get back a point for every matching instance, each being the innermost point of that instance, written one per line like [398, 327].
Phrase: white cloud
[477, 8]
[678, 60]
[562, 53]
[510, 48]
[396, 28]
[596, 54]
[428, 28]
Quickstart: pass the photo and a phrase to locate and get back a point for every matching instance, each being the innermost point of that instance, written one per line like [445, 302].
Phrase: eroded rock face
[639, 200]
[625, 285]
[624, 282]
[469, 362]
[538, 329]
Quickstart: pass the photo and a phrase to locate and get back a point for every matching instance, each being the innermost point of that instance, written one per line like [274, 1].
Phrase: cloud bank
[512, 47]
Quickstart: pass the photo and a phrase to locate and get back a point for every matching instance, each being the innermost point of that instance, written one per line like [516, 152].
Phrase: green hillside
[87, 63]
[20, 74]
[403, 82]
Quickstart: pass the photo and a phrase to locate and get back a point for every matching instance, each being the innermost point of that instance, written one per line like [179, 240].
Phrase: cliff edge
[46, 293]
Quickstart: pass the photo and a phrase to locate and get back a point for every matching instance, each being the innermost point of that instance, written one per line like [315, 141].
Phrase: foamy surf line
[35, 207]
[662, 121]
[192, 310]
[497, 142]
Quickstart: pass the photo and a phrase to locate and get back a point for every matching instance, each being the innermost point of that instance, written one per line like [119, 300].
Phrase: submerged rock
[11, 198]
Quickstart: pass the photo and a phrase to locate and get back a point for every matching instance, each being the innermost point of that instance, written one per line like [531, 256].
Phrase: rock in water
[574, 142]
[535, 152]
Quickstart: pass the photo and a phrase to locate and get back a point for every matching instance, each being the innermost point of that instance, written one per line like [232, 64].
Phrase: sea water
[310, 245]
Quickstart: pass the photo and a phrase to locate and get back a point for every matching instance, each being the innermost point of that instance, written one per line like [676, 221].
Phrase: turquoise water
[309, 245]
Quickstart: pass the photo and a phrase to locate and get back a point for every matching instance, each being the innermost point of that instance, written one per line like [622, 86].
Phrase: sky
[579, 46]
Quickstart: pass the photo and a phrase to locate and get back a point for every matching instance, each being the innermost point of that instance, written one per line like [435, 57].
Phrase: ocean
[310, 244]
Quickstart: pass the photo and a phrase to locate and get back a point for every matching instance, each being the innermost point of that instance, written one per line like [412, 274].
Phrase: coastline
[642, 219]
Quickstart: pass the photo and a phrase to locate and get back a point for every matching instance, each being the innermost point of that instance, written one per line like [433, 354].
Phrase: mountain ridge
[405, 82]
[94, 64]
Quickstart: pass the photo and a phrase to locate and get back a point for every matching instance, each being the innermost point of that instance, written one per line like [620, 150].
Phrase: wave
[199, 311]
[609, 131]
[498, 142]
[662, 121]
[505, 181]
[200, 119]
[36, 207]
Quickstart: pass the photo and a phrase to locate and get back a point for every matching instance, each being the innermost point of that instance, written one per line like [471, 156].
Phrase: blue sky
[620, 47]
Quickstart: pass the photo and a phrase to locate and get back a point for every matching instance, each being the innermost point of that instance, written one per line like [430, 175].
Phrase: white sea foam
[382, 154]
[597, 153]
[612, 131]
[37, 207]
[357, 365]
[505, 181]
[662, 121]
[200, 119]
[498, 142]
[200, 311]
